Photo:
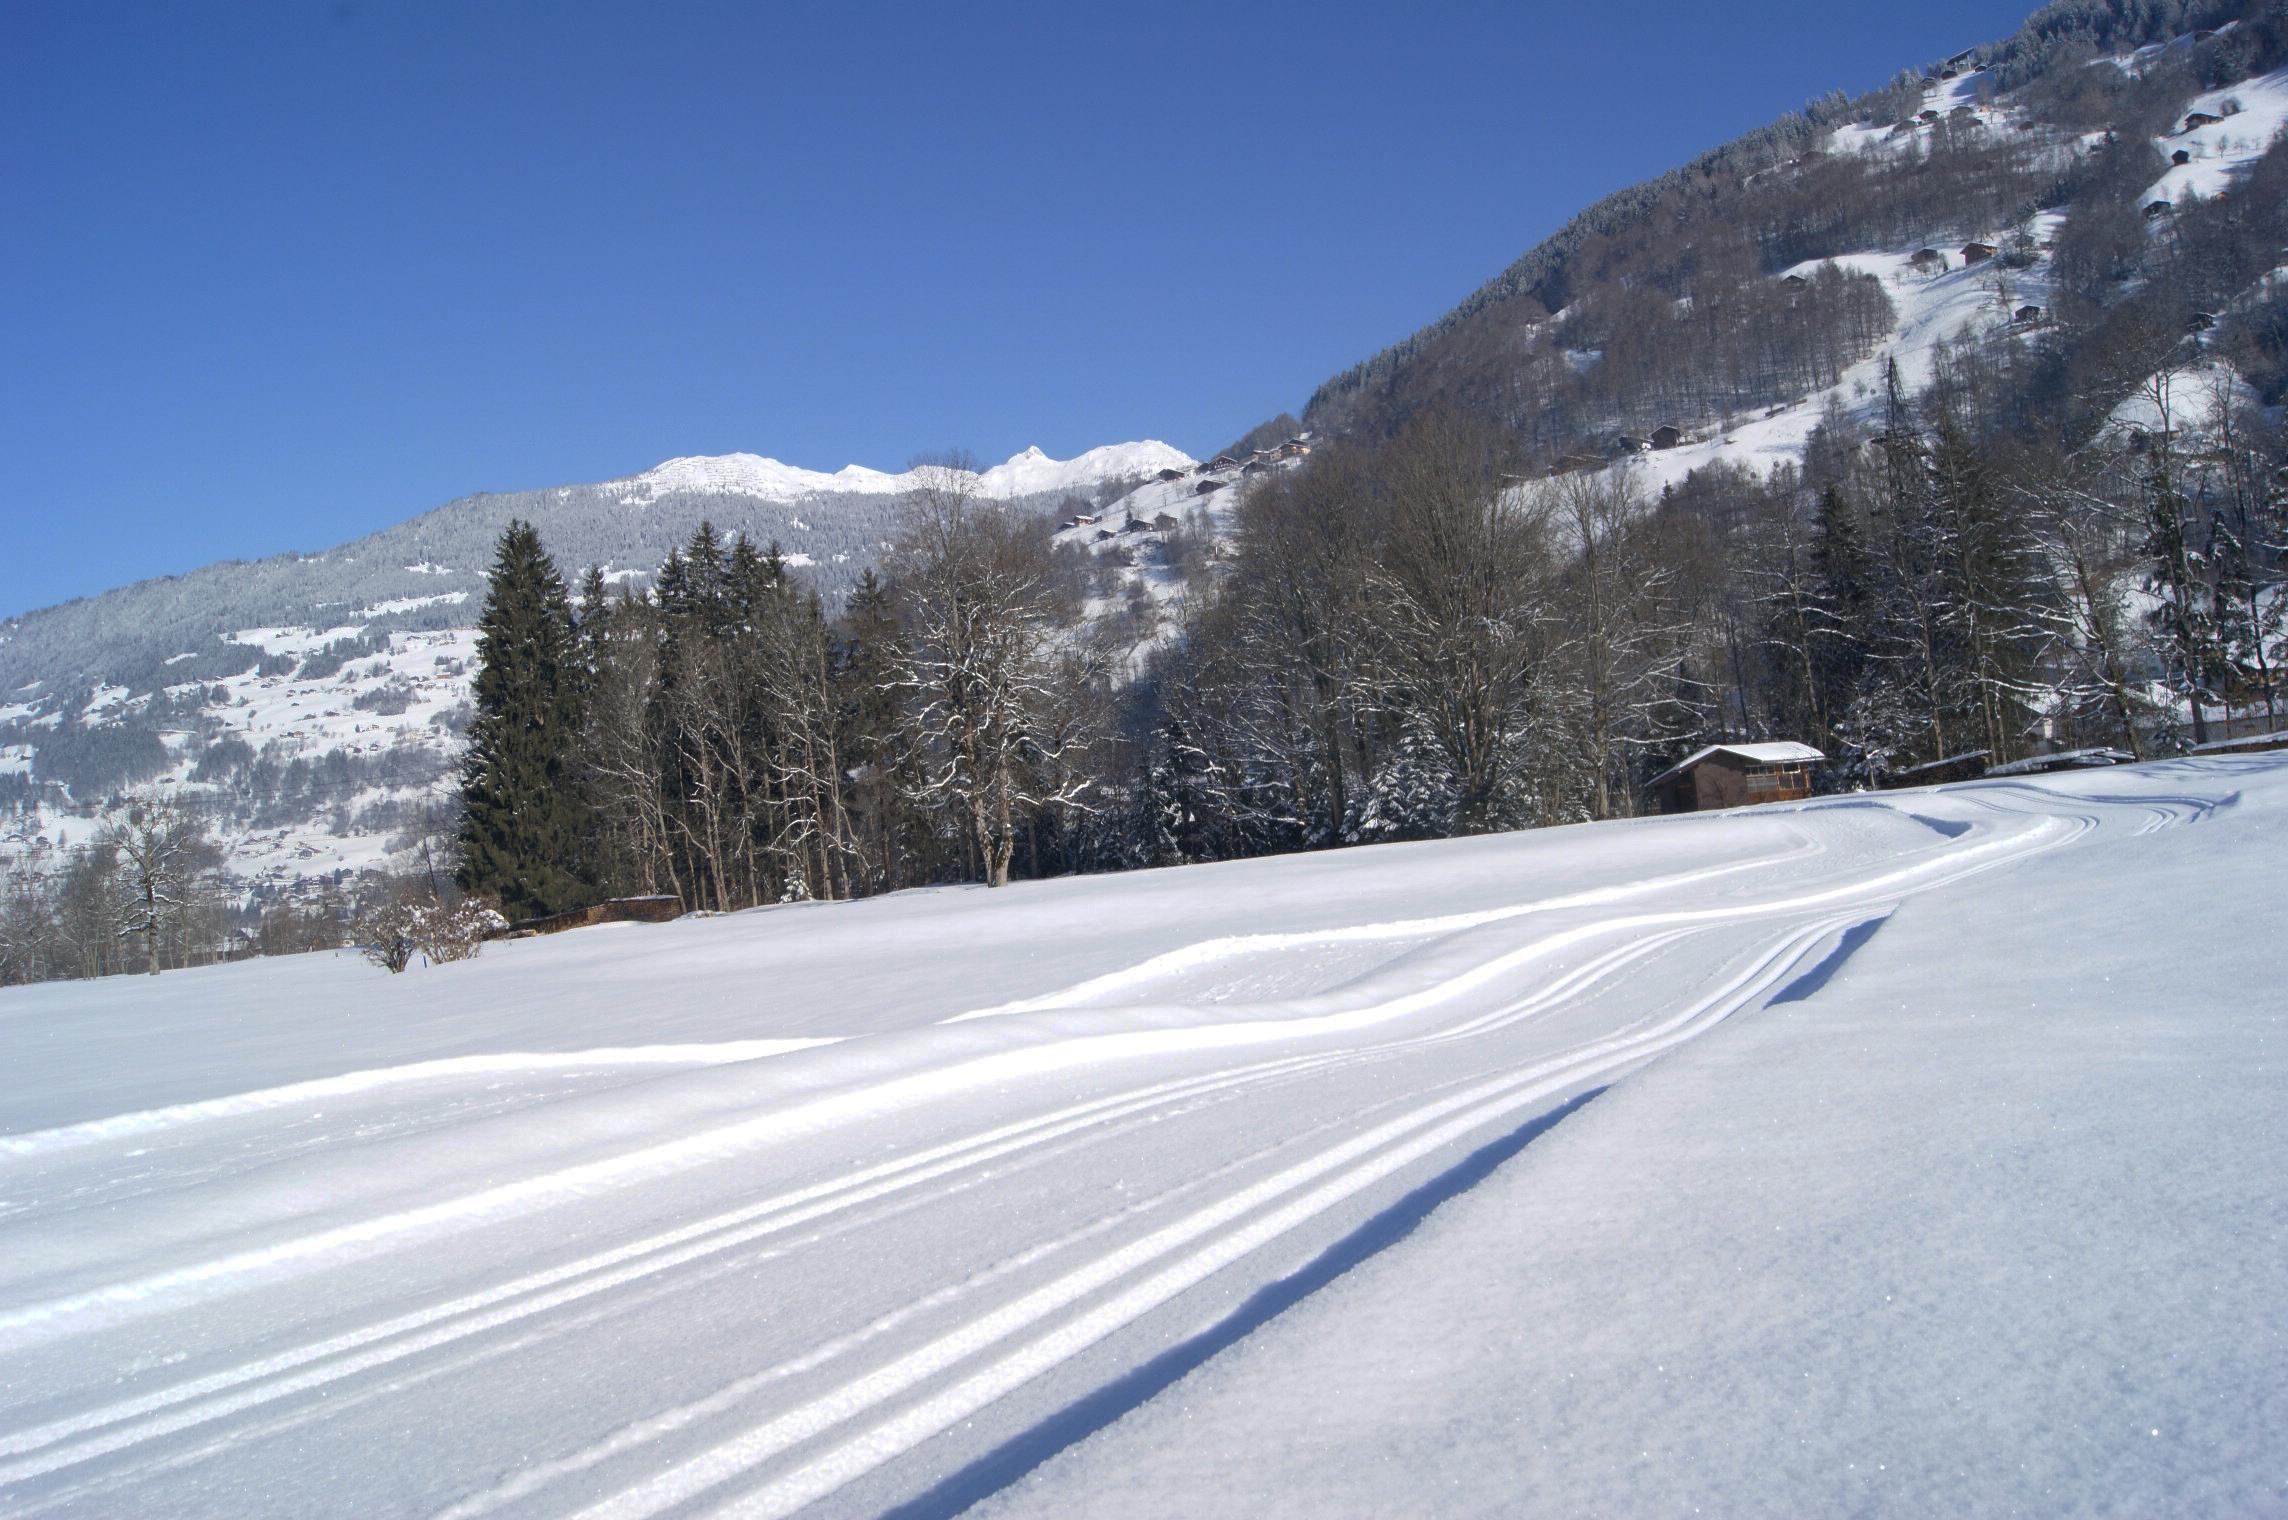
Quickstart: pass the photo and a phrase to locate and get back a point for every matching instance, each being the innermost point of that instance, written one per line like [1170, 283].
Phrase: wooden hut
[1735, 775]
[620, 910]
[2197, 119]
[1666, 436]
[1978, 253]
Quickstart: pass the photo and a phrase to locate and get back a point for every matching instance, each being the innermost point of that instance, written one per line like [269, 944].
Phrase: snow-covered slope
[344, 674]
[1873, 1155]
[1955, 268]
[1030, 473]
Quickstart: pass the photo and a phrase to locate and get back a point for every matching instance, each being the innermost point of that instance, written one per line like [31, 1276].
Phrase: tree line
[1414, 638]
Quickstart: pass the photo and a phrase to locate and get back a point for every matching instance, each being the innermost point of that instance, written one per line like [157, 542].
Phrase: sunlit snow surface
[1030, 472]
[1915, 1154]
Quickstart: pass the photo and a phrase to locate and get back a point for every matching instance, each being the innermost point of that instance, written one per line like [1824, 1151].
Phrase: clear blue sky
[275, 275]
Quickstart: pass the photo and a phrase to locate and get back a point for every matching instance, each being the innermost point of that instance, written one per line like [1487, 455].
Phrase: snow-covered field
[1902, 1155]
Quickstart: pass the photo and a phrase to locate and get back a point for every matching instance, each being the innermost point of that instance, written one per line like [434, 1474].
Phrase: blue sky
[272, 276]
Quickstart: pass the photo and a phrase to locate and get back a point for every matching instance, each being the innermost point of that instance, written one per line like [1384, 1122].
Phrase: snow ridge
[1028, 473]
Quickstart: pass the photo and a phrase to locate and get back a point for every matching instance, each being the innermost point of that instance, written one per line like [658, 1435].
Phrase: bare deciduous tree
[163, 857]
[979, 668]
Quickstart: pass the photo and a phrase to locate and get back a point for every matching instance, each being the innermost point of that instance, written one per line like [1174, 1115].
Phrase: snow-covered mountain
[1030, 473]
[2027, 205]
[319, 697]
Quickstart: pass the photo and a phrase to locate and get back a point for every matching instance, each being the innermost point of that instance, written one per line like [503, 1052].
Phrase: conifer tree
[522, 833]
[1411, 797]
[1838, 651]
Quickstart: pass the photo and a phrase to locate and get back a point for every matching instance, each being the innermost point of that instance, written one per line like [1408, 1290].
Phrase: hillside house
[2027, 316]
[1963, 113]
[1164, 522]
[2181, 156]
[1735, 775]
[1171, 474]
[1977, 253]
[1083, 519]
[1253, 467]
[1207, 486]
[1795, 282]
[2157, 208]
[1293, 448]
[1926, 116]
[1666, 436]
[1962, 60]
[2198, 119]
[1221, 462]
[1103, 534]
[1629, 443]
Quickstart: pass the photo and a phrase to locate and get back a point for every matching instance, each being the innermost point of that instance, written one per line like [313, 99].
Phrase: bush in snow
[395, 932]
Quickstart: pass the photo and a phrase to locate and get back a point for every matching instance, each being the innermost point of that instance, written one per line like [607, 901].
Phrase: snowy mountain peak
[1028, 473]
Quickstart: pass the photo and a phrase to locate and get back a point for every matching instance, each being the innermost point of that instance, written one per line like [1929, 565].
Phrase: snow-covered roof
[1777, 752]
[2277, 740]
[2064, 760]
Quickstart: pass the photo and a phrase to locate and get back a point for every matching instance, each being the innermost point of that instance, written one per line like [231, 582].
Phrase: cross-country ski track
[808, 1210]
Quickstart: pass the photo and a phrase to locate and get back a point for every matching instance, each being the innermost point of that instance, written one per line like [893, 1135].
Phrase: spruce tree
[1840, 609]
[1412, 796]
[522, 834]
[870, 726]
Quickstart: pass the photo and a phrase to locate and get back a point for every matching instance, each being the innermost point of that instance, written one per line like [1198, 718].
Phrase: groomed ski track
[800, 1272]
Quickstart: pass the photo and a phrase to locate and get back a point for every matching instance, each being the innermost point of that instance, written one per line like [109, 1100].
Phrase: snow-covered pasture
[1903, 1154]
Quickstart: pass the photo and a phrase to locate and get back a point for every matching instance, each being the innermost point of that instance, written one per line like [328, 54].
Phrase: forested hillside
[1663, 303]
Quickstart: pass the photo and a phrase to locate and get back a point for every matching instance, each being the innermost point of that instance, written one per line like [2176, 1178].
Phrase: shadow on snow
[1012, 1459]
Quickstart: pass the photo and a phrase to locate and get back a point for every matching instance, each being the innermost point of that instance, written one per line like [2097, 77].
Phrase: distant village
[1213, 476]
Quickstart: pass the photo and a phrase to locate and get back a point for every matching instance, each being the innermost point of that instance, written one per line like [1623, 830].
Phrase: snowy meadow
[1894, 1155]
